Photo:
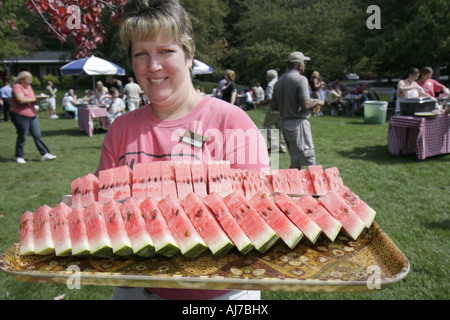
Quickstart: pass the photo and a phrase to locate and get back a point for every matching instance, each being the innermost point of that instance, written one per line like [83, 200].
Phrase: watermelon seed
[263, 196]
[287, 212]
[186, 233]
[129, 216]
[199, 213]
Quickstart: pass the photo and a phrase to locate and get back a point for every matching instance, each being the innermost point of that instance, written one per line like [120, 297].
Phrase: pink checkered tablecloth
[422, 136]
[86, 116]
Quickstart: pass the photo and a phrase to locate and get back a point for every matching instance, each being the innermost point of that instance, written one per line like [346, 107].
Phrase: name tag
[193, 139]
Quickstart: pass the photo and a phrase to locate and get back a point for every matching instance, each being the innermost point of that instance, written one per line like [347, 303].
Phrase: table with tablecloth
[425, 137]
[86, 118]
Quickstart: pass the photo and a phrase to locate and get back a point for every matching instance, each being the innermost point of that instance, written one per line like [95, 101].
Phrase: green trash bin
[375, 112]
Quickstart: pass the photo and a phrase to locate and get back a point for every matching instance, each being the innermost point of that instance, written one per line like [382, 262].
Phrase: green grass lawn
[410, 197]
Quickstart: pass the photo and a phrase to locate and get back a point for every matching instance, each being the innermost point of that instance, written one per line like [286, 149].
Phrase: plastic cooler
[375, 112]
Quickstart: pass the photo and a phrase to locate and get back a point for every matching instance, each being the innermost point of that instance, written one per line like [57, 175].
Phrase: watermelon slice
[255, 180]
[305, 223]
[26, 238]
[285, 229]
[168, 184]
[228, 223]
[334, 178]
[225, 171]
[120, 242]
[199, 180]
[258, 231]
[318, 179]
[78, 233]
[99, 241]
[362, 209]
[139, 185]
[154, 180]
[183, 178]
[236, 180]
[329, 225]
[214, 177]
[84, 190]
[140, 240]
[305, 180]
[279, 181]
[60, 229]
[43, 239]
[206, 225]
[189, 241]
[293, 179]
[122, 177]
[340, 210]
[157, 228]
[106, 185]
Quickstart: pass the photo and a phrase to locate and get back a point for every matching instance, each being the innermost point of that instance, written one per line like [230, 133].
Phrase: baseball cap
[297, 57]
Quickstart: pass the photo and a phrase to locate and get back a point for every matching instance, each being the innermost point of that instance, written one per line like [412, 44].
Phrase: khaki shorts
[298, 136]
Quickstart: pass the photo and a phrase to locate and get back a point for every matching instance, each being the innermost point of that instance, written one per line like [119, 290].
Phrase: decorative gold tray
[372, 262]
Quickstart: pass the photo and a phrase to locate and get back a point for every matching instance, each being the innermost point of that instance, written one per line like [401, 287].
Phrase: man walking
[291, 97]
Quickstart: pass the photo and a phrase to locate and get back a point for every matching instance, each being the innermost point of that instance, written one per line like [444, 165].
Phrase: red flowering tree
[78, 19]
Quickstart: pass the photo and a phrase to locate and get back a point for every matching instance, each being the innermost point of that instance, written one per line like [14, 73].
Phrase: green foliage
[52, 78]
[36, 83]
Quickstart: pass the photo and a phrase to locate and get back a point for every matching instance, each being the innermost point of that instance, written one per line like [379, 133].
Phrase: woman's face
[162, 70]
[26, 82]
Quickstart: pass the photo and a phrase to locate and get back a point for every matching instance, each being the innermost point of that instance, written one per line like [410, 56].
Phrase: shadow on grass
[380, 154]
[443, 225]
[70, 132]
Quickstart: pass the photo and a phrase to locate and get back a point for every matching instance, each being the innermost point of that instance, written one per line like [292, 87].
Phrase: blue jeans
[23, 125]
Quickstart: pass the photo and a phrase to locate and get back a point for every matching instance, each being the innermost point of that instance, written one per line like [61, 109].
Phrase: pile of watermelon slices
[168, 208]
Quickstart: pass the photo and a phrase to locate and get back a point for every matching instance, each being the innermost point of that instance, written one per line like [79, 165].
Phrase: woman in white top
[408, 87]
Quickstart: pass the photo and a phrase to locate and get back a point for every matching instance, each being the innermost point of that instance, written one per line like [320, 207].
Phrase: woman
[430, 85]
[408, 87]
[229, 92]
[159, 39]
[100, 92]
[69, 102]
[117, 107]
[24, 117]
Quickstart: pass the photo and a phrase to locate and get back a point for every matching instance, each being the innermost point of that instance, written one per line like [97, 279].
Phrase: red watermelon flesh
[26, 238]
[140, 240]
[362, 209]
[225, 171]
[334, 178]
[279, 181]
[43, 239]
[285, 229]
[157, 228]
[60, 229]
[304, 222]
[139, 185]
[120, 242]
[318, 179]
[255, 180]
[293, 179]
[228, 223]
[189, 241]
[154, 179]
[78, 233]
[340, 210]
[206, 224]
[168, 183]
[99, 242]
[257, 230]
[84, 190]
[329, 225]
[214, 177]
[236, 179]
[183, 178]
[122, 179]
[199, 180]
[106, 186]
[305, 180]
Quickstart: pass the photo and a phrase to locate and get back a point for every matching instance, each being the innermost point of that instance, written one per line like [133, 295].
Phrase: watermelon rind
[43, 240]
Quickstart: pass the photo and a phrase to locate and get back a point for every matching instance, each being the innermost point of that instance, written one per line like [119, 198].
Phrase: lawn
[410, 197]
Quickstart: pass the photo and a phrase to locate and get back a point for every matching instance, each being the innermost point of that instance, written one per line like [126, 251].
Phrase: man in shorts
[291, 97]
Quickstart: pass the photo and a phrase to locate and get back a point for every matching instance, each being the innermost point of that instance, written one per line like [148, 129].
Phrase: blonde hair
[145, 19]
[231, 74]
[22, 76]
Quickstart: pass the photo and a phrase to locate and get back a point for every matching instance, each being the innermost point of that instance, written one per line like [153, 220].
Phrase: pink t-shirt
[26, 110]
[230, 134]
[431, 86]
